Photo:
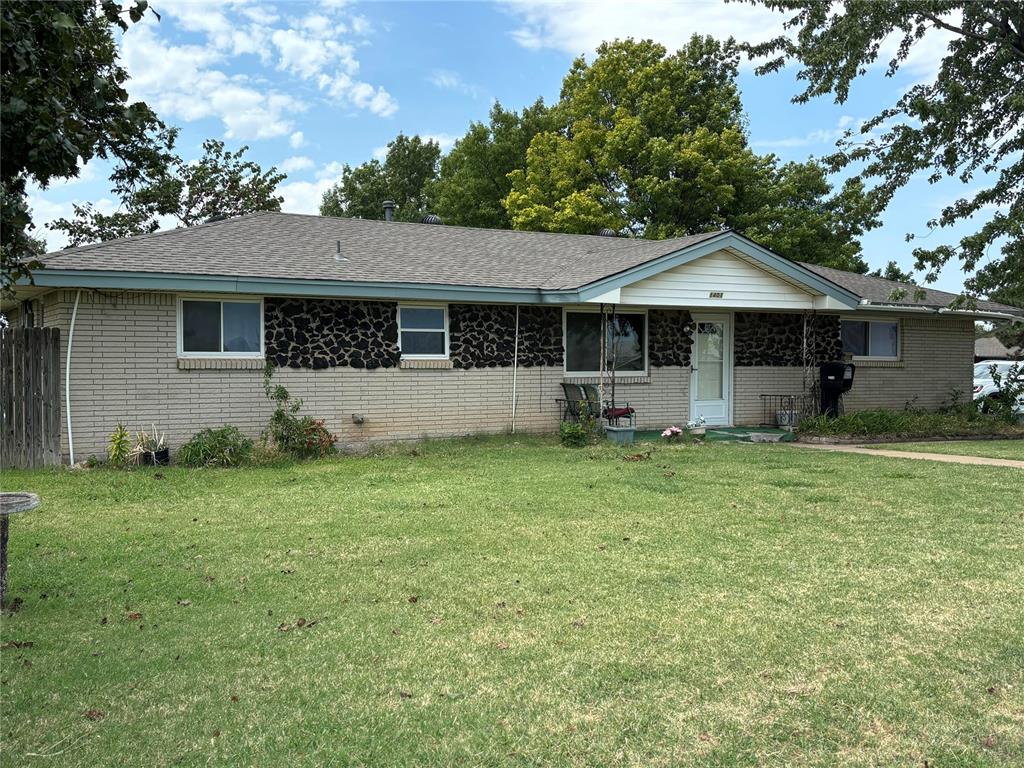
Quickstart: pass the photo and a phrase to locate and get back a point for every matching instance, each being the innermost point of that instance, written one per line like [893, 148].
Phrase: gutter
[67, 378]
[979, 313]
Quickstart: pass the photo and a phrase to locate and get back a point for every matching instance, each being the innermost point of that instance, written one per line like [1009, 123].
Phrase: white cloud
[295, 164]
[578, 26]
[330, 172]
[815, 137]
[379, 153]
[45, 210]
[177, 81]
[447, 80]
[296, 140]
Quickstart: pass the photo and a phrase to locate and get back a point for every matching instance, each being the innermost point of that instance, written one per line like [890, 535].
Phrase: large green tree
[473, 181]
[63, 103]
[405, 177]
[654, 144]
[219, 184]
[964, 123]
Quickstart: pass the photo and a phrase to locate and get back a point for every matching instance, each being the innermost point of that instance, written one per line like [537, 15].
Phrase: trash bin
[836, 379]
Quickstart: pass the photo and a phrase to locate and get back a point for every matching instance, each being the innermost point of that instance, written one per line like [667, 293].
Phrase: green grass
[512, 602]
[994, 449]
[912, 423]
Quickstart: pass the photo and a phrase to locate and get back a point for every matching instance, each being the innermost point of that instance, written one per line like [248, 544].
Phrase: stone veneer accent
[670, 337]
[328, 333]
[776, 339]
[484, 335]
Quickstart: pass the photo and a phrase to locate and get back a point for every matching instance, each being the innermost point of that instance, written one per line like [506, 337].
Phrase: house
[393, 330]
[991, 348]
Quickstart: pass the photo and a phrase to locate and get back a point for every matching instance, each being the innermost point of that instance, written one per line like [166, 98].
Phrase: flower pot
[697, 431]
[620, 435]
[159, 458]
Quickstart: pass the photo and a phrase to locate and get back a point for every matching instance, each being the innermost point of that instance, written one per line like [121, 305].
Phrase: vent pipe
[389, 210]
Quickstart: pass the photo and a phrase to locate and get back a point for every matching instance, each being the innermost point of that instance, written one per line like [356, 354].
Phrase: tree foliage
[405, 177]
[473, 180]
[965, 123]
[654, 144]
[220, 184]
[62, 104]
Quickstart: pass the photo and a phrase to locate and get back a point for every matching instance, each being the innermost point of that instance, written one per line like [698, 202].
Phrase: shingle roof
[287, 245]
[297, 246]
[878, 290]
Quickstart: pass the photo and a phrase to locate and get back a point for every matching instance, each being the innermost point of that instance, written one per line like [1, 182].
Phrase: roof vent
[605, 232]
[431, 218]
[389, 210]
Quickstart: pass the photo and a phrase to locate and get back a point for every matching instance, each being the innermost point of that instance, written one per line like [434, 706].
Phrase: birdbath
[11, 503]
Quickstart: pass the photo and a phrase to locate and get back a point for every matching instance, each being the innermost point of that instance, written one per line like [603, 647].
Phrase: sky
[310, 86]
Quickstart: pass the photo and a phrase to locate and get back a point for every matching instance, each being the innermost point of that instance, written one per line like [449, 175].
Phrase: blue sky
[309, 86]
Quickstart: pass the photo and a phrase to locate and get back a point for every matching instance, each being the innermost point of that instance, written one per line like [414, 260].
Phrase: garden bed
[889, 426]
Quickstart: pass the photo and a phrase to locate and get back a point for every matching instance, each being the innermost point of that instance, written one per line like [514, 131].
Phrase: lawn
[993, 449]
[512, 602]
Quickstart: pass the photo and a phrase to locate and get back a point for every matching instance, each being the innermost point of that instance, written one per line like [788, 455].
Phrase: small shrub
[573, 434]
[223, 447]
[302, 437]
[120, 450]
[1003, 402]
[962, 421]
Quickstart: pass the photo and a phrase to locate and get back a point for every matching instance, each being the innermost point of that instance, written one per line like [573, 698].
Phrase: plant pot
[697, 431]
[159, 458]
[620, 435]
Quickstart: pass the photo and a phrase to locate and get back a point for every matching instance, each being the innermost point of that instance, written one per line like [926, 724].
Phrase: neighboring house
[991, 348]
[391, 330]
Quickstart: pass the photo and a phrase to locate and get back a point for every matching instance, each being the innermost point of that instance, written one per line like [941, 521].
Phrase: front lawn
[511, 602]
[993, 449]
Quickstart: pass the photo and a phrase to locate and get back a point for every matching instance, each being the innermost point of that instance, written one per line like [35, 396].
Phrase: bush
[302, 437]
[119, 452]
[223, 447]
[573, 434]
[959, 421]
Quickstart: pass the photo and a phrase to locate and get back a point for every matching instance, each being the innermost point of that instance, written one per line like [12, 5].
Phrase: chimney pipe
[389, 210]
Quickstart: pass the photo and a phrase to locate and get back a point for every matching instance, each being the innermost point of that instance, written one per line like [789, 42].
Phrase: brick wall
[125, 368]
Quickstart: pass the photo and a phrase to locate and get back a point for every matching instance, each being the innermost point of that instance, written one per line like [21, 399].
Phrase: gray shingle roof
[297, 246]
[878, 290]
[287, 245]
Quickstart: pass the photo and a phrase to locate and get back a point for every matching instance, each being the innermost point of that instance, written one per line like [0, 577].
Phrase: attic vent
[605, 232]
[431, 218]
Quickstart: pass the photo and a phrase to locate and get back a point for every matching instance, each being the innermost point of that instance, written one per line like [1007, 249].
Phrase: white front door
[711, 370]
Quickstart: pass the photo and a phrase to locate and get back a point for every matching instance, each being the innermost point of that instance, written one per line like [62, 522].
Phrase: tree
[655, 145]
[892, 271]
[62, 104]
[219, 185]
[405, 177]
[964, 124]
[473, 181]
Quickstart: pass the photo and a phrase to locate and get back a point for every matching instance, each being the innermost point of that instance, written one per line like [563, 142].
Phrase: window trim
[447, 331]
[222, 300]
[566, 311]
[868, 358]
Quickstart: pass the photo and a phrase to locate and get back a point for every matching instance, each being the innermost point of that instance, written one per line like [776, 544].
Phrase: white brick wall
[125, 369]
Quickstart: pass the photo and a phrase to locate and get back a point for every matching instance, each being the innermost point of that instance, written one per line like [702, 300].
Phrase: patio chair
[574, 397]
[607, 410]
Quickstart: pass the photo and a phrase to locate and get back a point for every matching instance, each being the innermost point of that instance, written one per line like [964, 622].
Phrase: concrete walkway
[947, 457]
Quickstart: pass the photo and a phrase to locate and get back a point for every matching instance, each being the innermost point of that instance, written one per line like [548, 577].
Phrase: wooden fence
[29, 397]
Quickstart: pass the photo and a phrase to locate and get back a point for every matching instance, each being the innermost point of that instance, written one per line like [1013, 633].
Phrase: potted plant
[696, 427]
[151, 448]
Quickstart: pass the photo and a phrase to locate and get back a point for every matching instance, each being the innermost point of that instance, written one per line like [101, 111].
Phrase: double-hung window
[878, 339]
[423, 332]
[220, 328]
[625, 343]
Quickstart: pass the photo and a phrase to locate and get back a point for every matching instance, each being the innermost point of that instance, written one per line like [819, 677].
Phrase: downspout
[515, 370]
[67, 378]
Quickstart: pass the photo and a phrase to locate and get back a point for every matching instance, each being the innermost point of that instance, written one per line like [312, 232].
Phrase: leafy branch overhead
[963, 124]
[219, 185]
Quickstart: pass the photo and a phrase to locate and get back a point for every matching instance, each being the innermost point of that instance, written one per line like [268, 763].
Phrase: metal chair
[607, 410]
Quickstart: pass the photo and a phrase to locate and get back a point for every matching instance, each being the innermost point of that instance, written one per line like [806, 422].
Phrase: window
[423, 331]
[220, 328]
[625, 342]
[871, 338]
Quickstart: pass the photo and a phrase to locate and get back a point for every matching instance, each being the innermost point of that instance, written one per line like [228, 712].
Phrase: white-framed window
[871, 339]
[423, 331]
[625, 342]
[210, 327]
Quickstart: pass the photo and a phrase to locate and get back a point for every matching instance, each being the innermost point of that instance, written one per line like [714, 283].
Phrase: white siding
[742, 286]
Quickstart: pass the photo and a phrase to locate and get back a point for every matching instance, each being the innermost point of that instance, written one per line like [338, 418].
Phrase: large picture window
[871, 338]
[212, 328]
[423, 332]
[625, 342]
